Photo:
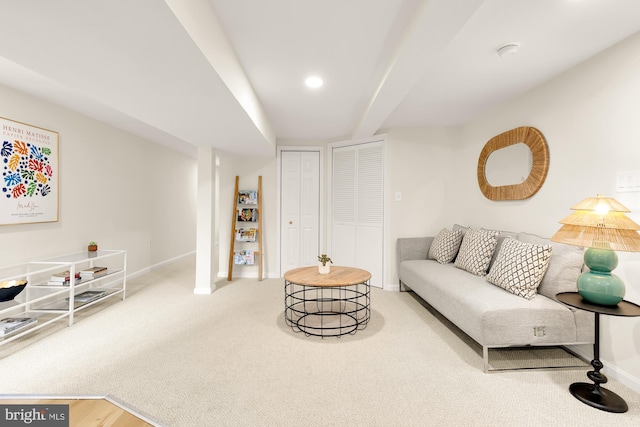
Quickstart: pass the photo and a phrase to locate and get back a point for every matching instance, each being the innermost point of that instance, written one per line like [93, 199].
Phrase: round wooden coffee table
[327, 305]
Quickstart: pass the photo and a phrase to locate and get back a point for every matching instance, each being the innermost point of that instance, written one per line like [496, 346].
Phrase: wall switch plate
[627, 182]
[398, 196]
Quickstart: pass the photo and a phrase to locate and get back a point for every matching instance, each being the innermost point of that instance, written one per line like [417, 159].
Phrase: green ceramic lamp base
[599, 286]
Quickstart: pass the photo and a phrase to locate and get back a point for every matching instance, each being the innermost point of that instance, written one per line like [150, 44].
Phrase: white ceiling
[230, 73]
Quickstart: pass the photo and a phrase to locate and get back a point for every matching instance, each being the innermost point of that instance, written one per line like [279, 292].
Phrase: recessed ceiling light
[313, 82]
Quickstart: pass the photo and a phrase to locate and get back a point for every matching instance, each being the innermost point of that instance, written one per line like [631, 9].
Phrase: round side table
[327, 305]
[593, 394]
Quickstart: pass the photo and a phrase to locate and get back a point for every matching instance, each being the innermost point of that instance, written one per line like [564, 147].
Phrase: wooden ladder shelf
[257, 209]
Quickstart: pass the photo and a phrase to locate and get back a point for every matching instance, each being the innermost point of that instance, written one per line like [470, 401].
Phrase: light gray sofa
[491, 315]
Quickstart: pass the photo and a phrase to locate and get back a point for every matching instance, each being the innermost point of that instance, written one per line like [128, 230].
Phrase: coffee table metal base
[327, 311]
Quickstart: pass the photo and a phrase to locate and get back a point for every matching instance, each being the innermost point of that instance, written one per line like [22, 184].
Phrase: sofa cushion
[519, 267]
[486, 312]
[565, 266]
[461, 228]
[445, 245]
[476, 251]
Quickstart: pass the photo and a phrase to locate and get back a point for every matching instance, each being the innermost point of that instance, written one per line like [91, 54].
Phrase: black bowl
[11, 288]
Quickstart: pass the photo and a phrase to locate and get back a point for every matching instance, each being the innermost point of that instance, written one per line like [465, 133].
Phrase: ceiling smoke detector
[508, 49]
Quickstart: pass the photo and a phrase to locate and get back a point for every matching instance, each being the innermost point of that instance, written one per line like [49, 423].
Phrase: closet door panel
[299, 208]
[357, 210]
[368, 252]
[309, 207]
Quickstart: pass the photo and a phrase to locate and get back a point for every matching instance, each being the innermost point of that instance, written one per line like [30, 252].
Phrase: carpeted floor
[228, 359]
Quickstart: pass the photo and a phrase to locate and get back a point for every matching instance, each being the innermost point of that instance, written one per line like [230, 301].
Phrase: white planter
[324, 269]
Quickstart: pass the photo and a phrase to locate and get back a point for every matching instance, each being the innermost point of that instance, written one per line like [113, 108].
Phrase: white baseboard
[172, 260]
[138, 273]
[159, 265]
[393, 287]
[624, 377]
[585, 351]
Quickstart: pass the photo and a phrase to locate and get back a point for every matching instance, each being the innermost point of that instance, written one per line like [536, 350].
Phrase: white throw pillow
[519, 267]
[445, 245]
[476, 251]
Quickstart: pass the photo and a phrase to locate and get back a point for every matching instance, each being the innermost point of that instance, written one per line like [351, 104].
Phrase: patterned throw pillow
[565, 266]
[445, 245]
[520, 267]
[476, 251]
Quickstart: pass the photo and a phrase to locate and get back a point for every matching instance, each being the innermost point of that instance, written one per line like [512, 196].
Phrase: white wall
[115, 188]
[420, 165]
[589, 116]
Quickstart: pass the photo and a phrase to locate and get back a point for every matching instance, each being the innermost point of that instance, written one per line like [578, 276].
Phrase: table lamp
[600, 225]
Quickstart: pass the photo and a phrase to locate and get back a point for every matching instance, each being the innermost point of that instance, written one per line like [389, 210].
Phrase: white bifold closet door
[357, 208]
[300, 209]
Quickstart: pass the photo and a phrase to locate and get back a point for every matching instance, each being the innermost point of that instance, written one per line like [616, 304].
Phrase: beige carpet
[228, 359]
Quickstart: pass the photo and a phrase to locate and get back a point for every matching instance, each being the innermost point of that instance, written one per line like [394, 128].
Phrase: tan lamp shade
[600, 222]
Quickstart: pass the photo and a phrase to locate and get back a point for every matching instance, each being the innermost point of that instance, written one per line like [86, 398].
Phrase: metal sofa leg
[403, 287]
[485, 358]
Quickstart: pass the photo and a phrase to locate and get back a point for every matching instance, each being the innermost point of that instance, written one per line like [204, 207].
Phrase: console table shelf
[47, 301]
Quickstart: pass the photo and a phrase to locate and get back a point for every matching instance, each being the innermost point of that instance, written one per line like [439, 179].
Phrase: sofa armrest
[412, 248]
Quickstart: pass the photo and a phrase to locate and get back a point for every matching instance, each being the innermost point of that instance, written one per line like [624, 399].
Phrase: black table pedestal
[593, 394]
[598, 397]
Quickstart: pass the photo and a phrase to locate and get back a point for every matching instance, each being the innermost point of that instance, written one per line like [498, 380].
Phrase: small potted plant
[92, 246]
[323, 267]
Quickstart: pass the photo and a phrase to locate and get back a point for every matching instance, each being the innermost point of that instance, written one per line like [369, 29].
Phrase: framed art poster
[29, 163]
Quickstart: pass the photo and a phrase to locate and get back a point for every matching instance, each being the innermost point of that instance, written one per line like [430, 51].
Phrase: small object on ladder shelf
[243, 214]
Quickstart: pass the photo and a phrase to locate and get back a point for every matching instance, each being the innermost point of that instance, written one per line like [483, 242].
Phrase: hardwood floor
[90, 412]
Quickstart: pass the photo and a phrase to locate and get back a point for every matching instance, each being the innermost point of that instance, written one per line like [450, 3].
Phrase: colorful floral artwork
[29, 161]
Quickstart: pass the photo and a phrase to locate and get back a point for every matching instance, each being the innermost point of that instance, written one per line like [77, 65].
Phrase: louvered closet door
[357, 207]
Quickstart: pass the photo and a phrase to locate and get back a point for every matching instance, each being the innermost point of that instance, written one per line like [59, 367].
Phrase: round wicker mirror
[533, 139]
